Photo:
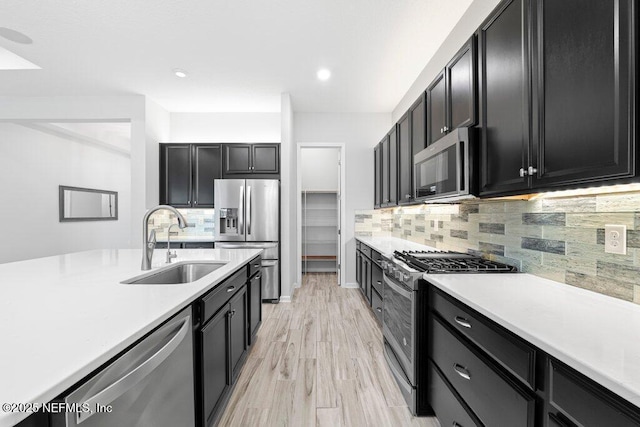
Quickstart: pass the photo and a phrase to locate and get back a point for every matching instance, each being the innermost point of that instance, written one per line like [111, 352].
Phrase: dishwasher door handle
[137, 374]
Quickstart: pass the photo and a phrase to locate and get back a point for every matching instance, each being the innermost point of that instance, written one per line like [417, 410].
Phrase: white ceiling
[240, 54]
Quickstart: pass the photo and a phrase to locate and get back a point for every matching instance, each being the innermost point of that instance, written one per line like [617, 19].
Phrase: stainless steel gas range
[405, 309]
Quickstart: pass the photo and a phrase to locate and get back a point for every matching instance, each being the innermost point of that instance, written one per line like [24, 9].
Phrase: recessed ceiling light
[15, 36]
[180, 73]
[324, 74]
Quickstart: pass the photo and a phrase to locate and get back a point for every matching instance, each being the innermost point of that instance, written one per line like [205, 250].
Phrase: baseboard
[285, 299]
[351, 285]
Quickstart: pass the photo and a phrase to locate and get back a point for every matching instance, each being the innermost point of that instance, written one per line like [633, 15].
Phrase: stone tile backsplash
[557, 238]
[200, 223]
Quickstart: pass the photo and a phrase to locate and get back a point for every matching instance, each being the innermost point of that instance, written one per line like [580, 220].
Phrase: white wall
[288, 231]
[466, 26]
[319, 168]
[225, 127]
[157, 129]
[360, 132]
[33, 164]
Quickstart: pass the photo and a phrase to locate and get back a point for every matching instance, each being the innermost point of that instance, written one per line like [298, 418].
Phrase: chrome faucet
[149, 240]
[170, 255]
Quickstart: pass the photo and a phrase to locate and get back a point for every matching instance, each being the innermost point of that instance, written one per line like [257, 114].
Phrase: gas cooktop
[450, 262]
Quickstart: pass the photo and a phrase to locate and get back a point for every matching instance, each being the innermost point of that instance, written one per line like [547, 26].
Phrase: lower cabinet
[481, 374]
[221, 345]
[254, 289]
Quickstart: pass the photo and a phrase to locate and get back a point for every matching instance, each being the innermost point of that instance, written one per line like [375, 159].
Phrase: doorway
[320, 213]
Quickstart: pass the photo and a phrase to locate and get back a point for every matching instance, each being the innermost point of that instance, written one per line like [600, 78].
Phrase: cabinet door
[405, 162]
[585, 79]
[504, 98]
[358, 268]
[207, 167]
[367, 282]
[377, 184]
[385, 171]
[216, 378]
[255, 305]
[418, 119]
[265, 158]
[461, 83]
[237, 158]
[437, 109]
[175, 175]
[393, 167]
[238, 331]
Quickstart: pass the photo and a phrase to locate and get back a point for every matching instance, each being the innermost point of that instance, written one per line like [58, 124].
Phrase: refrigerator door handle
[248, 209]
[241, 212]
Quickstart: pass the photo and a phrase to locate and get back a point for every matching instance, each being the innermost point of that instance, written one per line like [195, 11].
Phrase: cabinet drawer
[377, 278]
[585, 403]
[494, 399]
[449, 410]
[365, 250]
[376, 304]
[254, 266]
[509, 350]
[376, 257]
[221, 294]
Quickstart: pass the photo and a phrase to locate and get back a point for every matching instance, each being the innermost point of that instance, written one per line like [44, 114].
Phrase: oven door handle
[397, 288]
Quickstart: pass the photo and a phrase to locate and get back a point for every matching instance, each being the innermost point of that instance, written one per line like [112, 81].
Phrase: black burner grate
[451, 262]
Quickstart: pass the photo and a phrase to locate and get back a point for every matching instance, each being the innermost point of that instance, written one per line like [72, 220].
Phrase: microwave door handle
[134, 376]
[241, 212]
[248, 210]
[458, 166]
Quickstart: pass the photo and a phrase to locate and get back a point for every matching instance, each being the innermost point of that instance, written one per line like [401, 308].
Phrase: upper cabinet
[584, 80]
[377, 183]
[451, 97]
[405, 161]
[504, 97]
[393, 167]
[567, 117]
[187, 172]
[244, 159]
[418, 123]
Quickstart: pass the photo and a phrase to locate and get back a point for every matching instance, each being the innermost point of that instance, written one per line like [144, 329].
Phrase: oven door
[398, 325]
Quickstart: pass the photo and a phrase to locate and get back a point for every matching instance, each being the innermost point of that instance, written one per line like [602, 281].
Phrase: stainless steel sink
[186, 272]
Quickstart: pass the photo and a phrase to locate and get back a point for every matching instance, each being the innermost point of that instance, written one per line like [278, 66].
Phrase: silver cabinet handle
[256, 265]
[379, 309]
[532, 170]
[462, 322]
[523, 173]
[133, 377]
[195, 202]
[231, 288]
[407, 196]
[462, 371]
[188, 202]
[257, 277]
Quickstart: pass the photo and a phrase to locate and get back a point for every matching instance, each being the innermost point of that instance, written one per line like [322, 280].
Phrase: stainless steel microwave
[445, 170]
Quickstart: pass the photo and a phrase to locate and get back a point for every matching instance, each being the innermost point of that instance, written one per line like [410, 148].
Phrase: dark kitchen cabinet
[221, 344]
[405, 161]
[567, 117]
[584, 80]
[437, 109]
[377, 183]
[504, 78]
[238, 335]
[384, 148]
[245, 159]
[418, 120]
[187, 172]
[393, 167]
[451, 98]
[254, 288]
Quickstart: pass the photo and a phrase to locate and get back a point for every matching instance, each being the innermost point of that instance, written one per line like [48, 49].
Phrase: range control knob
[406, 277]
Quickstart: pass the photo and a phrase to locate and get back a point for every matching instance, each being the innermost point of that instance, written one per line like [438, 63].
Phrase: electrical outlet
[615, 239]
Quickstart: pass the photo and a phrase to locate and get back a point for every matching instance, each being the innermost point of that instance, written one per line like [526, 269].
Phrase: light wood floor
[318, 362]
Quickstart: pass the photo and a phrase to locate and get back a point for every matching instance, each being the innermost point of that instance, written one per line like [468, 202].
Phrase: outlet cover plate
[615, 239]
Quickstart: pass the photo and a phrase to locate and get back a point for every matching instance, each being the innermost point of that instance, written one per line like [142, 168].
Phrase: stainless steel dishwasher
[149, 385]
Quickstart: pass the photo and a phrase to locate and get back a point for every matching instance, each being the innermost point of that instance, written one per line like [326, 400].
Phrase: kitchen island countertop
[62, 317]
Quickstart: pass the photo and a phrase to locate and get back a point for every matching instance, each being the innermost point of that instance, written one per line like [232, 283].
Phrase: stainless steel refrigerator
[247, 215]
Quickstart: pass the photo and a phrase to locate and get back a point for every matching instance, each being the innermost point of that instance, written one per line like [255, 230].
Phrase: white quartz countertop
[386, 245]
[64, 316]
[597, 335]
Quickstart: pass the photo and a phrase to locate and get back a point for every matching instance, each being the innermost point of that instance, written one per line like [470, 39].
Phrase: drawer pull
[231, 288]
[256, 265]
[462, 322]
[379, 310]
[379, 282]
[462, 371]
